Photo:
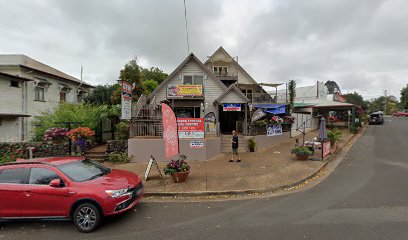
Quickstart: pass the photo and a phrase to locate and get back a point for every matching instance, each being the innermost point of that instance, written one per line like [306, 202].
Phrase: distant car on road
[401, 114]
[66, 188]
[376, 118]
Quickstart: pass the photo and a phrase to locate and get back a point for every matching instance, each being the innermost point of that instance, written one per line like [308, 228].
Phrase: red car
[400, 114]
[66, 188]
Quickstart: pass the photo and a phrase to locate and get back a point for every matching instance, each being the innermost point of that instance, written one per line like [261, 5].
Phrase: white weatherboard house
[28, 88]
[219, 91]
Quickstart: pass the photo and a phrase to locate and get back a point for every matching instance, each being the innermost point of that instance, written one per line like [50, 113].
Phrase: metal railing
[145, 128]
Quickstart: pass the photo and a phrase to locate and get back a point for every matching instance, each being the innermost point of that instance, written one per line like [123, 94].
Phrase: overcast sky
[360, 44]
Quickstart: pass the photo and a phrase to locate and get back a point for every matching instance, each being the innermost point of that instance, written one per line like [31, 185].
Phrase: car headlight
[116, 193]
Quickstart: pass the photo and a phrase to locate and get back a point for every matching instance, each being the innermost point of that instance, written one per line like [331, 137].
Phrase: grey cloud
[359, 44]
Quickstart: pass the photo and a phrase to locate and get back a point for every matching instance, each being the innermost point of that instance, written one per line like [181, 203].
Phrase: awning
[271, 108]
[14, 115]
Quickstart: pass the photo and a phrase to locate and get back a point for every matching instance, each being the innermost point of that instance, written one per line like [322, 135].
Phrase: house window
[247, 93]
[80, 97]
[193, 80]
[14, 84]
[63, 96]
[188, 80]
[39, 94]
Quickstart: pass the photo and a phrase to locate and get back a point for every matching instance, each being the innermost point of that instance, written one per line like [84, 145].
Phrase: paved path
[365, 198]
[265, 169]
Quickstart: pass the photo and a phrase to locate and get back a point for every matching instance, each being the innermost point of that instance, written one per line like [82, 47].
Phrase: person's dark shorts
[234, 151]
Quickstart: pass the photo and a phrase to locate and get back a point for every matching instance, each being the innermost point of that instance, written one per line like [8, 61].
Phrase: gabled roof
[191, 56]
[222, 50]
[27, 62]
[228, 90]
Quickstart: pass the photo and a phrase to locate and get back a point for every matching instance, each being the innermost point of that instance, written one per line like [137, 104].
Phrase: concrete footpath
[261, 171]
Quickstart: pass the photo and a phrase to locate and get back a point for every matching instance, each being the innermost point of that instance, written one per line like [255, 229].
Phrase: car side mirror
[55, 183]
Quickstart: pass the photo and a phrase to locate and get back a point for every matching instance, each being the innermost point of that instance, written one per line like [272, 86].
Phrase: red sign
[170, 131]
[191, 127]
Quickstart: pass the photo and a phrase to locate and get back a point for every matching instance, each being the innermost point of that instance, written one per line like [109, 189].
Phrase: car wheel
[86, 217]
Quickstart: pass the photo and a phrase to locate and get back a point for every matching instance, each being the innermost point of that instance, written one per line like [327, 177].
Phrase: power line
[185, 18]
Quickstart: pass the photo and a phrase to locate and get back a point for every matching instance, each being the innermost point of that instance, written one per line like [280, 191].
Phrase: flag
[170, 134]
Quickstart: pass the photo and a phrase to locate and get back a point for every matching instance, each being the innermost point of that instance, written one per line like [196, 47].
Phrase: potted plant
[79, 136]
[56, 135]
[302, 152]
[251, 144]
[333, 136]
[178, 169]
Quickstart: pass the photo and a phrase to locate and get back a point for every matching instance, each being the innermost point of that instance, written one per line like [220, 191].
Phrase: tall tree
[154, 74]
[356, 99]
[149, 86]
[292, 94]
[332, 87]
[131, 73]
[404, 97]
[101, 94]
[378, 104]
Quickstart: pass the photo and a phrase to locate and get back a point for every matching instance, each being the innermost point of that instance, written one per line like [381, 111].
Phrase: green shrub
[333, 136]
[302, 151]
[251, 143]
[122, 131]
[118, 157]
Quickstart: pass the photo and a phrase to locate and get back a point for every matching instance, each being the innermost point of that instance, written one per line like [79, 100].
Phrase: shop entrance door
[229, 119]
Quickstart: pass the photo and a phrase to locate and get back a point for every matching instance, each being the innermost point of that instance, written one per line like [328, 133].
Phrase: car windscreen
[80, 171]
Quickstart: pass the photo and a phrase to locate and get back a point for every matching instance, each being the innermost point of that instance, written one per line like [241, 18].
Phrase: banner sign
[197, 144]
[190, 127]
[126, 100]
[273, 130]
[170, 131]
[231, 107]
[185, 90]
[210, 123]
[326, 149]
[258, 114]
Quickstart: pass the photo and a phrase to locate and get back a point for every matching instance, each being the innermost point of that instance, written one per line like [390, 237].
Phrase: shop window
[14, 84]
[39, 94]
[187, 112]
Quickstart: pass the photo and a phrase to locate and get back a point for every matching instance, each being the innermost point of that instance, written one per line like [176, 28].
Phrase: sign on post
[126, 101]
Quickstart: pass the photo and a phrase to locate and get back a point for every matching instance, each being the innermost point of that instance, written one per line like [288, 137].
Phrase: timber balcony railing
[261, 98]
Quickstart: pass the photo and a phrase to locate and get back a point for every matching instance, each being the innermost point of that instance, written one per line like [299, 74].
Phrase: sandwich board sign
[149, 167]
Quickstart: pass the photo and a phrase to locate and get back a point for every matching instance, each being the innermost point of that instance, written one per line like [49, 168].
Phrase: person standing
[234, 151]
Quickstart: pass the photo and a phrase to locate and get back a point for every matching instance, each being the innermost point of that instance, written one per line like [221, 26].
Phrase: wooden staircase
[226, 143]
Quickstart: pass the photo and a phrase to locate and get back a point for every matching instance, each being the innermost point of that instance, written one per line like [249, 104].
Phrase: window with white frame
[193, 79]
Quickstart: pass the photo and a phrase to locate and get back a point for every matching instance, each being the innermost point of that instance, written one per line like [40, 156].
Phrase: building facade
[28, 88]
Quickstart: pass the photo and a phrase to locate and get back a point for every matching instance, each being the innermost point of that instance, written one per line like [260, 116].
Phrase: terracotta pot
[302, 157]
[179, 176]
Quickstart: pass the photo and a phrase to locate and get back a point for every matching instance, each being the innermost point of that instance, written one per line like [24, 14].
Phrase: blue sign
[232, 107]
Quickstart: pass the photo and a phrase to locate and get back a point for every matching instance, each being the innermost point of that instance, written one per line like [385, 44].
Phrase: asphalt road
[366, 197]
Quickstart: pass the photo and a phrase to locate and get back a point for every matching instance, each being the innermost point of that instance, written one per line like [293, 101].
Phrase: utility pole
[385, 105]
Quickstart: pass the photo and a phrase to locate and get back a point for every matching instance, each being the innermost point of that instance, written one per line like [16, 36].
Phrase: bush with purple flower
[179, 165]
[56, 135]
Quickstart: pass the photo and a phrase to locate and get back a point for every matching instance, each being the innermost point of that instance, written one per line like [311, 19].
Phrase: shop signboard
[210, 123]
[273, 130]
[185, 91]
[126, 100]
[190, 128]
[230, 107]
[196, 144]
[258, 114]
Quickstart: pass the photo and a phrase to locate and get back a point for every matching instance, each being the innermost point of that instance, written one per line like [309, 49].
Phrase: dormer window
[220, 71]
